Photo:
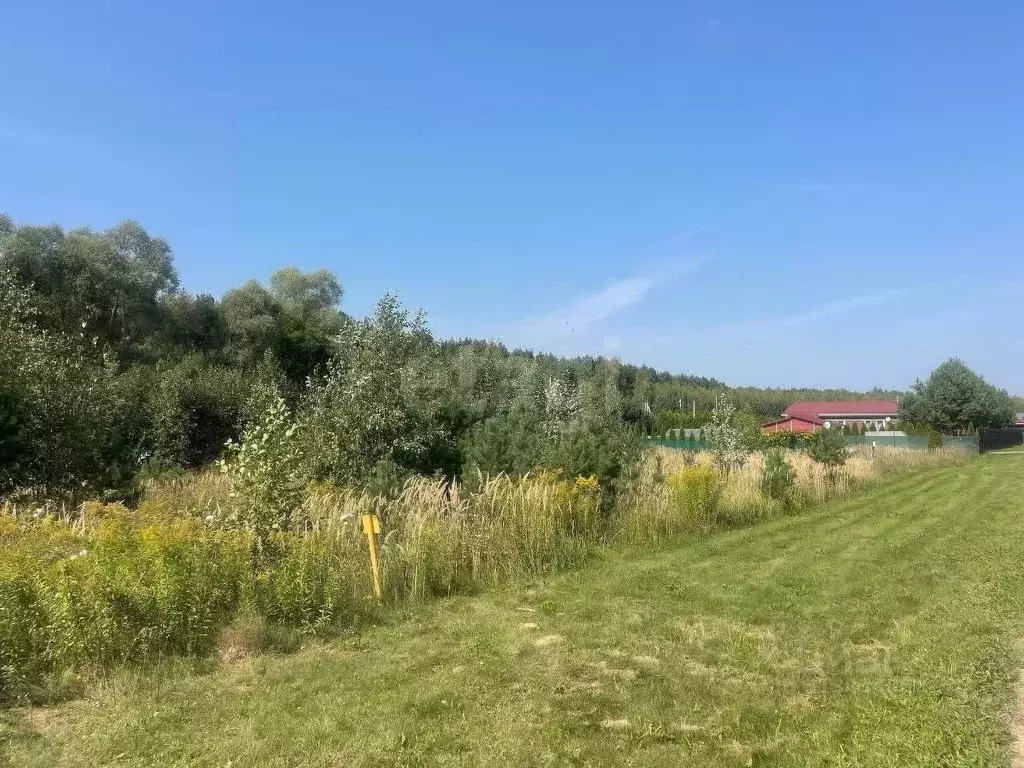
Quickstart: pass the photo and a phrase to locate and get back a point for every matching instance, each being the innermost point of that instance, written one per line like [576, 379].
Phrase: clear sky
[789, 193]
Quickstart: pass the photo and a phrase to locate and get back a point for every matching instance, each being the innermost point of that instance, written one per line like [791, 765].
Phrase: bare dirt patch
[547, 640]
[686, 727]
[799, 703]
[615, 673]
[40, 719]
[645, 661]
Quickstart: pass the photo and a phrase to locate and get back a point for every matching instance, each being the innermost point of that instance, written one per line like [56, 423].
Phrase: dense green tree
[106, 285]
[828, 448]
[356, 415]
[6, 228]
[196, 408]
[190, 323]
[54, 403]
[511, 442]
[751, 434]
[955, 399]
[296, 319]
[252, 318]
[308, 294]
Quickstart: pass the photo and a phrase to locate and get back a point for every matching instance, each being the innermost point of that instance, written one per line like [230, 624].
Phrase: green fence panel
[685, 445]
[909, 442]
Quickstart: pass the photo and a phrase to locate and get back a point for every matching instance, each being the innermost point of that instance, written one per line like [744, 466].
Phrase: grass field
[883, 630]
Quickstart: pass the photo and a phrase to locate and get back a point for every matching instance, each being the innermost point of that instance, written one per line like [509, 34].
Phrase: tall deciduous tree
[307, 293]
[357, 415]
[954, 398]
[297, 320]
[54, 403]
[107, 285]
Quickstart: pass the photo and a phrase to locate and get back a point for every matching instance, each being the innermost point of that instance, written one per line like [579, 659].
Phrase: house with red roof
[812, 415]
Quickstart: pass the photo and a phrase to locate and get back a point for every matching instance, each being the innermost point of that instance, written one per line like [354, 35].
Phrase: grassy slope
[882, 630]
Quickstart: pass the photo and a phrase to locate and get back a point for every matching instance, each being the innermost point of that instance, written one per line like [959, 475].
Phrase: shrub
[777, 477]
[581, 435]
[724, 437]
[934, 440]
[251, 634]
[603, 449]
[305, 583]
[827, 447]
[511, 442]
[118, 587]
[197, 407]
[265, 474]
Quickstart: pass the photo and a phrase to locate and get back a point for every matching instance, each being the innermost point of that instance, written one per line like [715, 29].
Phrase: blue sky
[793, 193]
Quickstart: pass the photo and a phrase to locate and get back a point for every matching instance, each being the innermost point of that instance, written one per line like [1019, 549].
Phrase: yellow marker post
[371, 527]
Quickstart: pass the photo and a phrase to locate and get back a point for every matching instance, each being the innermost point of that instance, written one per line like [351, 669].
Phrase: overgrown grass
[882, 630]
[107, 586]
[111, 586]
[653, 510]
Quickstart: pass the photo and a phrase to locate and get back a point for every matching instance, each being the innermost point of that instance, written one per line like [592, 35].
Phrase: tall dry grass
[438, 540]
[650, 510]
[102, 584]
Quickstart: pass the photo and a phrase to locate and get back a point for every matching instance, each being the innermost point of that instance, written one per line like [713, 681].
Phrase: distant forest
[109, 364]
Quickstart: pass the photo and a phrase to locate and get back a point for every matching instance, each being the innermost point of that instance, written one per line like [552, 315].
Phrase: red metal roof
[817, 409]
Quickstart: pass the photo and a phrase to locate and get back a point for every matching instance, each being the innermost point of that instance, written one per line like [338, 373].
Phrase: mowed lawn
[883, 630]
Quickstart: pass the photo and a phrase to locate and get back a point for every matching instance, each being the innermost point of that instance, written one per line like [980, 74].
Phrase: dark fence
[995, 439]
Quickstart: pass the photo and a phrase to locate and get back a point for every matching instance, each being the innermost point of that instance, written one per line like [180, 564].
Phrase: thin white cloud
[831, 309]
[584, 311]
[723, 335]
[758, 350]
[731, 334]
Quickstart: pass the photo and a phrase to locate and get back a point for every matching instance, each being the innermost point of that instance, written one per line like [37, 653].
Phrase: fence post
[371, 527]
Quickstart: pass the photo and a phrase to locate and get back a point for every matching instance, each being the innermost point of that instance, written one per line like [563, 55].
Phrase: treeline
[108, 368]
